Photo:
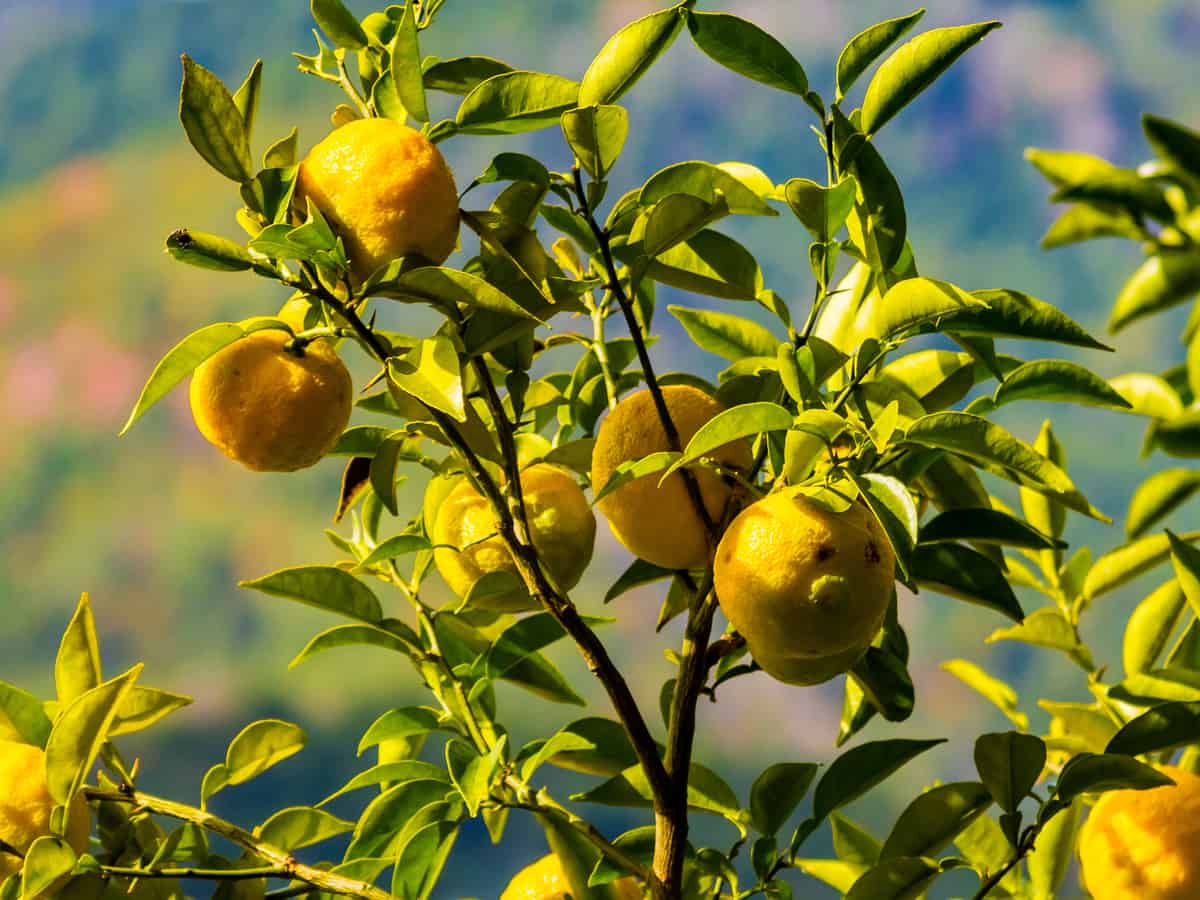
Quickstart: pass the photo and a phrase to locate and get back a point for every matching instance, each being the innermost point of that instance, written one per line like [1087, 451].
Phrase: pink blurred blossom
[81, 190]
[8, 300]
[32, 383]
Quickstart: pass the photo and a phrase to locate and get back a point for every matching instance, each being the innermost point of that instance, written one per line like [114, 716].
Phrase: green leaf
[339, 24]
[25, 714]
[1009, 763]
[1122, 565]
[383, 820]
[637, 843]
[729, 336]
[525, 637]
[627, 55]
[883, 678]
[1115, 186]
[1098, 772]
[47, 860]
[181, 361]
[746, 49]
[853, 843]
[406, 721]
[352, 636]
[1173, 143]
[1185, 559]
[672, 220]
[471, 773]
[985, 526]
[991, 688]
[593, 745]
[444, 287]
[1157, 497]
[1178, 437]
[596, 135]
[902, 878]
[1149, 627]
[1051, 857]
[77, 666]
[1087, 221]
[405, 53]
[207, 251]
[389, 775]
[880, 194]
[423, 858]
[397, 545]
[213, 123]
[513, 102]
[462, 74]
[1006, 313]
[431, 372]
[965, 574]
[776, 793]
[1164, 727]
[838, 874]
[1064, 167]
[1047, 627]
[861, 768]
[639, 573]
[282, 153]
[1059, 380]
[300, 826]
[708, 182]
[324, 587]
[914, 67]
[915, 302]
[633, 469]
[1148, 395]
[742, 421]
[1165, 279]
[143, 707]
[706, 792]
[79, 732]
[709, 263]
[259, 746]
[986, 442]
[935, 819]
[868, 45]
[822, 210]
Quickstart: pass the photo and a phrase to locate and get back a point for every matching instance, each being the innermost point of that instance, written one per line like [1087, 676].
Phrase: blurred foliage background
[95, 171]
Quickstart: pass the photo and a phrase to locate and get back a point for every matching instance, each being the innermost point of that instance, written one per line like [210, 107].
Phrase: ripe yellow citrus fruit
[386, 189]
[268, 408]
[660, 524]
[26, 804]
[1144, 844]
[545, 880]
[808, 588]
[562, 526]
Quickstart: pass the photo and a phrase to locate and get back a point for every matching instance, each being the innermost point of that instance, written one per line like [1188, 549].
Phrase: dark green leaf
[300, 826]
[639, 573]
[1097, 772]
[1059, 380]
[1173, 143]
[1009, 764]
[965, 574]
[709, 263]
[1166, 279]
[325, 587]
[985, 526]
[777, 792]
[861, 768]
[627, 55]
[213, 123]
[902, 878]
[935, 819]
[883, 678]
[462, 74]
[405, 69]
[868, 45]
[1012, 314]
[339, 23]
[748, 50]
[1164, 727]
[915, 302]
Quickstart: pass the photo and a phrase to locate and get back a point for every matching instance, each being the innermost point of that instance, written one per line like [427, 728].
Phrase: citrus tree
[845, 452]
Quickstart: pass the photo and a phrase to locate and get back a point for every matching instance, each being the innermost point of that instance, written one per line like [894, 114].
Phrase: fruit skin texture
[386, 189]
[807, 588]
[269, 409]
[1144, 844]
[26, 804]
[563, 530]
[545, 880]
[659, 524]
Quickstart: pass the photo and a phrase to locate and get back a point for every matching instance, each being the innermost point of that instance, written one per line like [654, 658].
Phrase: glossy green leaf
[282, 153]
[207, 251]
[745, 48]
[351, 636]
[79, 731]
[405, 54]
[180, 362]
[631, 470]
[339, 23]
[882, 677]
[1149, 627]
[914, 67]
[1148, 395]
[990, 444]
[1113, 185]
[403, 722]
[672, 220]
[914, 302]
[991, 688]
[881, 198]
[462, 74]
[985, 526]
[383, 820]
[1051, 857]
[471, 773]
[1058, 380]
[892, 504]
[432, 373]
[1158, 496]
[965, 574]
[708, 182]
[512, 102]
[445, 287]
[77, 665]
[1174, 143]
[1005, 313]
[24, 714]
[324, 587]
[1122, 565]
[1009, 764]
[1098, 772]
[639, 573]
[900, 878]
[853, 843]
[1164, 727]
[1088, 221]
[727, 335]
[776, 793]
[1185, 559]
[260, 746]
[596, 135]
[868, 45]
[836, 873]
[389, 775]
[707, 792]
[861, 768]
[1178, 437]
[738, 422]
[822, 210]
[709, 263]
[1166, 279]
[47, 859]
[627, 55]
[143, 707]
[213, 123]
[300, 826]
[935, 819]
[593, 745]
[1047, 627]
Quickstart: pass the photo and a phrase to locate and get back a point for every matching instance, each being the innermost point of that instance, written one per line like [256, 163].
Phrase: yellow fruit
[808, 588]
[563, 531]
[386, 189]
[660, 524]
[26, 804]
[1144, 844]
[269, 409]
[545, 880]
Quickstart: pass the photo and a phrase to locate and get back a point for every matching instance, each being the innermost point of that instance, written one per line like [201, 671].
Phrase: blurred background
[95, 172]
